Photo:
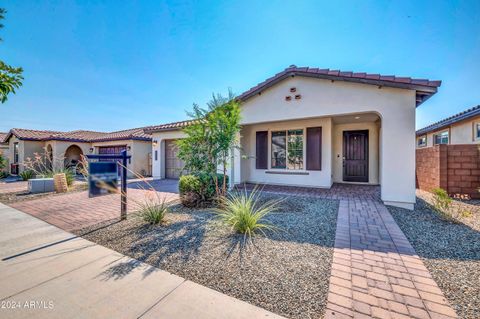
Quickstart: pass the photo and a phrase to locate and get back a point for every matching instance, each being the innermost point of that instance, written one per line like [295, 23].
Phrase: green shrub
[3, 174]
[198, 189]
[153, 209]
[442, 202]
[245, 212]
[27, 174]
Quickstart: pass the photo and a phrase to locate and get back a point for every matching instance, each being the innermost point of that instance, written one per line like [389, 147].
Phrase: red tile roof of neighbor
[467, 114]
[424, 88]
[78, 135]
[3, 135]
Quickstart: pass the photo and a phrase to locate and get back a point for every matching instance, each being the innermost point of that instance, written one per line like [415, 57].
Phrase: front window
[422, 141]
[15, 153]
[287, 149]
[477, 130]
[441, 138]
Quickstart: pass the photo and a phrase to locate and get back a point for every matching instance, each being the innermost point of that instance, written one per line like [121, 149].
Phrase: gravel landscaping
[450, 251]
[286, 272]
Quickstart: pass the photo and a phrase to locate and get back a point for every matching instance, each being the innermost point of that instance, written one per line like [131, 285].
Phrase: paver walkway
[63, 276]
[376, 272]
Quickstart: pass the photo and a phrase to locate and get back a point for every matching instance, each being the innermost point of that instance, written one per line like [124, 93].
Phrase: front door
[355, 156]
[173, 164]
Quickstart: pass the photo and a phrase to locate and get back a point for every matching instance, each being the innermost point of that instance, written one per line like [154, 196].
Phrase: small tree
[10, 77]
[211, 138]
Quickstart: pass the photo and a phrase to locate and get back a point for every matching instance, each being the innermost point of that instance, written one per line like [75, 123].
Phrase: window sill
[287, 173]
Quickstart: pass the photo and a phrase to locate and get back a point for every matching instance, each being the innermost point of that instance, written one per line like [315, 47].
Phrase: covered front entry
[355, 156]
[173, 164]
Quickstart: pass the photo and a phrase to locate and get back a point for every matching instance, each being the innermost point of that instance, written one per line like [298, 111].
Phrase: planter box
[41, 185]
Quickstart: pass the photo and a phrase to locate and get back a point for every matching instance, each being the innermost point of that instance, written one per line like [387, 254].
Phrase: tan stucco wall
[249, 173]
[26, 149]
[396, 107]
[158, 164]
[139, 151]
[373, 149]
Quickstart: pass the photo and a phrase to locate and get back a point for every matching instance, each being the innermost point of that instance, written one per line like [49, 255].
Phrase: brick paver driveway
[76, 210]
[13, 187]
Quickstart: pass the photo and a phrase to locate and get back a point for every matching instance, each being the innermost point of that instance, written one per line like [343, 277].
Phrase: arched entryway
[73, 156]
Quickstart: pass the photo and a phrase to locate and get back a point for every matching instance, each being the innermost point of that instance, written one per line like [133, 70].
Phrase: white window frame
[440, 133]
[419, 139]
[476, 131]
[286, 169]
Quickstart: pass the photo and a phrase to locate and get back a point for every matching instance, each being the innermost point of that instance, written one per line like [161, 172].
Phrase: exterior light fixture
[129, 148]
[91, 149]
[154, 143]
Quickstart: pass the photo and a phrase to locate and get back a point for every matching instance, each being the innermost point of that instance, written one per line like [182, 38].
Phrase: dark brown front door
[355, 156]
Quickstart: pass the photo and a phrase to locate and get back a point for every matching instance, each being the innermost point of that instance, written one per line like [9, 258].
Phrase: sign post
[103, 177]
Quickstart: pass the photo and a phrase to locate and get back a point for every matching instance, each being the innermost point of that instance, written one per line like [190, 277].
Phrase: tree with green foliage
[11, 78]
[211, 138]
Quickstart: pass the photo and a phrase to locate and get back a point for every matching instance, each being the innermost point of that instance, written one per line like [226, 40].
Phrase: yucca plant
[245, 212]
[27, 174]
[152, 210]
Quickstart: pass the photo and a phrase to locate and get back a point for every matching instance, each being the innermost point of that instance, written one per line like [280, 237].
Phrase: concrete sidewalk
[46, 272]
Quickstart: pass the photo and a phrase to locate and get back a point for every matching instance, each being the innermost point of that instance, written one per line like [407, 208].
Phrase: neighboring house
[461, 128]
[448, 155]
[312, 127]
[66, 148]
[4, 149]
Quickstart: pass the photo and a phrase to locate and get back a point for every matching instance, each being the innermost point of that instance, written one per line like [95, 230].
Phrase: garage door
[173, 165]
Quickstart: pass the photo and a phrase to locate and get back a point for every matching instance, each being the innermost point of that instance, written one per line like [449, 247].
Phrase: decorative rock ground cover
[450, 251]
[286, 272]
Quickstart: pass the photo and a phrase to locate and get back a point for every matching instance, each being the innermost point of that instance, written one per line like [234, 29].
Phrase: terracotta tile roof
[425, 88]
[79, 135]
[169, 126]
[34, 135]
[3, 136]
[467, 114]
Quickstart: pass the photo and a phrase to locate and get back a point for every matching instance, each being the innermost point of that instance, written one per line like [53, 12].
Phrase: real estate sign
[102, 178]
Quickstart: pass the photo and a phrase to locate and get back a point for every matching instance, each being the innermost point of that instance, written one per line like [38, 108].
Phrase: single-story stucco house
[65, 148]
[4, 148]
[461, 128]
[314, 127]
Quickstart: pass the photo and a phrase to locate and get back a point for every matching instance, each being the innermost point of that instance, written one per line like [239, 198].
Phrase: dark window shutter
[314, 148]
[262, 150]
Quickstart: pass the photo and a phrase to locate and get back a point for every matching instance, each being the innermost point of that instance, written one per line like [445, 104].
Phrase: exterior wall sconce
[288, 98]
[129, 148]
[154, 143]
[293, 90]
[298, 97]
[91, 149]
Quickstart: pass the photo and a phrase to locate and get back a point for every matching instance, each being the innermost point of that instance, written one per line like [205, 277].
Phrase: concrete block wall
[455, 168]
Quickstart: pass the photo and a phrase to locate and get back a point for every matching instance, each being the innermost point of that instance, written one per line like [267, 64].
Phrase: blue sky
[108, 65]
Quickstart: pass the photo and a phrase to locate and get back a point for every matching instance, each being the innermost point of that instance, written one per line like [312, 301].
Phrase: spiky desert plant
[245, 212]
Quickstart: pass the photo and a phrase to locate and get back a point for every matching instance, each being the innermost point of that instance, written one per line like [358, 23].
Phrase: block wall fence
[455, 168]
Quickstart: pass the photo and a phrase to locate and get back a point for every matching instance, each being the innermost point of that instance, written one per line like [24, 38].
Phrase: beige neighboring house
[314, 127]
[66, 148]
[4, 148]
[461, 128]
